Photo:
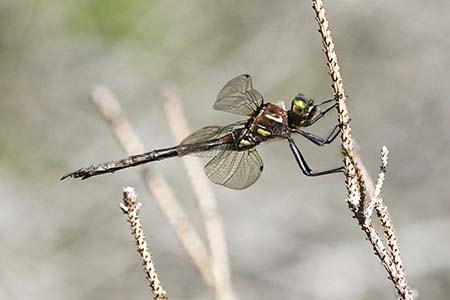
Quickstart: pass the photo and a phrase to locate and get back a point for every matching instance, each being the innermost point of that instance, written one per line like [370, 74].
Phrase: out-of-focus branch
[355, 180]
[109, 107]
[130, 207]
[205, 197]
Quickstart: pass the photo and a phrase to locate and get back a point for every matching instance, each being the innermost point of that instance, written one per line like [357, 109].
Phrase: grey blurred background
[289, 236]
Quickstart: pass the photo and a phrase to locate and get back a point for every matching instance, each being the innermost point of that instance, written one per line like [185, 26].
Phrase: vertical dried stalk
[131, 208]
[206, 200]
[355, 181]
[109, 107]
[356, 187]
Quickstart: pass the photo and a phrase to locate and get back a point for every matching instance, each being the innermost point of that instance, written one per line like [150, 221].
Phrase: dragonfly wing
[235, 169]
[204, 134]
[239, 97]
[212, 132]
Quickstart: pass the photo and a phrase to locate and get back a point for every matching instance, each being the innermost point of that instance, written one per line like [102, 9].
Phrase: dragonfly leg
[320, 141]
[321, 114]
[304, 165]
[327, 101]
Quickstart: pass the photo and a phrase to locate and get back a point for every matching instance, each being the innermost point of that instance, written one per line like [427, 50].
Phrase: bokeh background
[289, 236]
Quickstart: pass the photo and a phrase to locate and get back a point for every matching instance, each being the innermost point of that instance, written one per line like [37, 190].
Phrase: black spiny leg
[320, 141]
[321, 114]
[304, 165]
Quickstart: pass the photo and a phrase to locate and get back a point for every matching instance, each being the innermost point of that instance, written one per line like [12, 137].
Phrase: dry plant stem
[375, 191]
[392, 258]
[355, 181]
[386, 223]
[130, 207]
[205, 197]
[109, 107]
[356, 187]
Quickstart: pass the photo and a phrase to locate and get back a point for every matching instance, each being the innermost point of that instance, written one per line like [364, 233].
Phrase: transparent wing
[212, 132]
[204, 134]
[235, 169]
[239, 97]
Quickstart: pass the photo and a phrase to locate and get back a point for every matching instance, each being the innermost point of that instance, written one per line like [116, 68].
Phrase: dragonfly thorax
[270, 122]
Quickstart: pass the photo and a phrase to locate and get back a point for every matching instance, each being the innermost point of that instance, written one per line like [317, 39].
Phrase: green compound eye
[300, 104]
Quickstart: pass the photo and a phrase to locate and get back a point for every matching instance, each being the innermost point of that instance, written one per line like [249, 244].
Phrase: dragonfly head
[302, 111]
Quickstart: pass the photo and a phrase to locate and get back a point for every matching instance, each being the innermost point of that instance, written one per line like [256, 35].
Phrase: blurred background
[289, 236]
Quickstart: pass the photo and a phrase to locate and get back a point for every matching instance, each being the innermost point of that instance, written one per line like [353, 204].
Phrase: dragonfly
[234, 161]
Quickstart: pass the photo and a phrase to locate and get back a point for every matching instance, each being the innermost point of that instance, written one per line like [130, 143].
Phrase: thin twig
[386, 222]
[131, 208]
[109, 107]
[356, 188]
[375, 192]
[355, 181]
[205, 197]
[382, 174]
[392, 253]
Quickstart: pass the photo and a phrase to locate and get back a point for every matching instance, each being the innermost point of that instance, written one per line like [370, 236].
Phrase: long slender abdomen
[139, 159]
[115, 165]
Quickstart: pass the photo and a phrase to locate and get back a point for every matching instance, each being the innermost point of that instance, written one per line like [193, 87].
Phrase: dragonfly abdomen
[131, 161]
[139, 159]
